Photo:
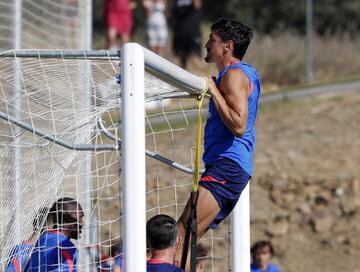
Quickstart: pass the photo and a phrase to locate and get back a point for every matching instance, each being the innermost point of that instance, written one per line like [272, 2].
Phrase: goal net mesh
[54, 24]
[77, 101]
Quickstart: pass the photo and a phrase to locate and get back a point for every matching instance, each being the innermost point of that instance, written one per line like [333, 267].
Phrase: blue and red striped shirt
[18, 257]
[155, 265]
[53, 251]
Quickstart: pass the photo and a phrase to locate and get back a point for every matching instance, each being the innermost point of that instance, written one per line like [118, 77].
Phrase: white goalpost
[72, 111]
[133, 157]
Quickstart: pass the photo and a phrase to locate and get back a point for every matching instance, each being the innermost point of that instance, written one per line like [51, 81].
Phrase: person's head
[200, 258]
[40, 220]
[116, 249]
[261, 253]
[162, 232]
[228, 37]
[67, 216]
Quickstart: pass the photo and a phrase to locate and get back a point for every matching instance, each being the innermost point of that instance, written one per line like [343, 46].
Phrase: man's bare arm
[231, 101]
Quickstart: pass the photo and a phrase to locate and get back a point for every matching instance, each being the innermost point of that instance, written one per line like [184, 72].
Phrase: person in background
[162, 238]
[54, 250]
[156, 24]
[114, 263]
[119, 22]
[104, 265]
[20, 253]
[261, 254]
[186, 18]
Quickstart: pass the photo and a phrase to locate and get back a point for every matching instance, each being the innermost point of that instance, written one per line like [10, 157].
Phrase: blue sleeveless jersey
[219, 141]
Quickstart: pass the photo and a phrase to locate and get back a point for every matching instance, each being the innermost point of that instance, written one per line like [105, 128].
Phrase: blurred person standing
[113, 263]
[119, 22]
[186, 18]
[54, 250]
[261, 254]
[156, 24]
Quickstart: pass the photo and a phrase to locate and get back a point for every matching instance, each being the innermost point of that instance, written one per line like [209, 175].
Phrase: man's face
[263, 256]
[214, 48]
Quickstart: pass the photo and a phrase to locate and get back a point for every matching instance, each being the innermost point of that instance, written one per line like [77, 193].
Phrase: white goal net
[58, 129]
[60, 24]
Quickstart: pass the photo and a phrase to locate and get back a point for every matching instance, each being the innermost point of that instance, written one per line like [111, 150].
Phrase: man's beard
[76, 231]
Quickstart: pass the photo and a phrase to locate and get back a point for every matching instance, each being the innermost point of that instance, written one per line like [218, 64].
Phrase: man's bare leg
[111, 38]
[207, 210]
[124, 38]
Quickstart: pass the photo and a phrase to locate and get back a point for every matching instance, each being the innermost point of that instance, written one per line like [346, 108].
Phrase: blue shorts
[225, 179]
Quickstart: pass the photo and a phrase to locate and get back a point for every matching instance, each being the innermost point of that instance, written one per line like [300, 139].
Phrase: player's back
[18, 257]
[53, 252]
[159, 266]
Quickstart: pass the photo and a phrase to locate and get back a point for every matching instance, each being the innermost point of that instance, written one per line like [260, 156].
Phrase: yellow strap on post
[200, 100]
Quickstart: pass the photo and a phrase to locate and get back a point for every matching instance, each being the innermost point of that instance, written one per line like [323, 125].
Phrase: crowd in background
[182, 16]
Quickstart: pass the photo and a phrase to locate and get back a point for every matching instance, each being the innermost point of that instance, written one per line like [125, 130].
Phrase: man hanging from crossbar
[229, 137]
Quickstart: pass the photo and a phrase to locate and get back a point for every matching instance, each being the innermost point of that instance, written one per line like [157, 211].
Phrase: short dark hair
[235, 31]
[162, 232]
[259, 245]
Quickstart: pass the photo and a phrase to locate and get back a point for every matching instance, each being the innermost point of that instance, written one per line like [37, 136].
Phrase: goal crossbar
[154, 64]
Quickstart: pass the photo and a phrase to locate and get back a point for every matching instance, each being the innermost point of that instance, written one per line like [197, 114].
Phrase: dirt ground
[305, 193]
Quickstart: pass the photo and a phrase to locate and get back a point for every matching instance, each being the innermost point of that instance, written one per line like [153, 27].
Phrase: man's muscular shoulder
[234, 78]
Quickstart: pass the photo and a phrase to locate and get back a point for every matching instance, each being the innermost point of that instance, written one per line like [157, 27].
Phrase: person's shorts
[225, 179]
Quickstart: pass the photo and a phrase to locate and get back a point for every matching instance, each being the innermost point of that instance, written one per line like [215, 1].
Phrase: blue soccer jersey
[154, 265]
[110, 265]
[105, 265]
[53, 252]
[19, 257]
[271, 268]
[118, 262]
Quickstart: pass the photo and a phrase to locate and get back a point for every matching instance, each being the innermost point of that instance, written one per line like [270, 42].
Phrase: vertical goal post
[135, 60]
